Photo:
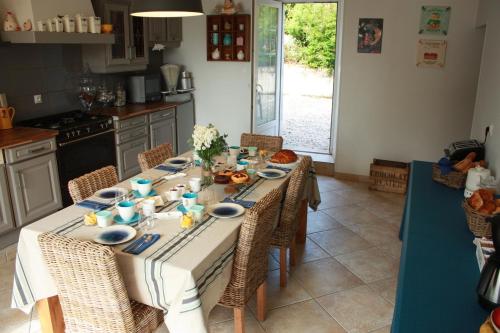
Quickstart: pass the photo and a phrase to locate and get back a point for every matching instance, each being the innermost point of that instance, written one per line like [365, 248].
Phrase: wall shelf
[231, 35]
[44, 37]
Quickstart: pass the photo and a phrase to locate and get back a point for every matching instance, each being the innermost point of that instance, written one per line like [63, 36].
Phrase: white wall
[487, 111]
[223, 93]
[391, 109]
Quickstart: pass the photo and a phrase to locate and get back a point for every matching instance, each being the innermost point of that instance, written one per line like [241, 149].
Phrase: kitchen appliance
[171, 74]
[474, 178]
[85, 143]
[144, 88]
[186, 81]
[488, 288]
[457, 151]
[6, 117]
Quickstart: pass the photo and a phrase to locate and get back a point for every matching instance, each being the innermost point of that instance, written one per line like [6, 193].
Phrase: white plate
[287, 165]
[109, 194]
[178, 162]
[271, 173]
[116, 234]
[226, 210]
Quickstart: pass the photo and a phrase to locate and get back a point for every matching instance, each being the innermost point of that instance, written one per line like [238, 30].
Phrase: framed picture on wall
[431, 53]
[434, 20]
[370, 33]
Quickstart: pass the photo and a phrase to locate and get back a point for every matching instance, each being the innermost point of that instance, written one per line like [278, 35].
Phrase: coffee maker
[488, 288]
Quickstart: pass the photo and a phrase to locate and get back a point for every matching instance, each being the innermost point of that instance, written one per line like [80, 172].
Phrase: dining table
[184, 273]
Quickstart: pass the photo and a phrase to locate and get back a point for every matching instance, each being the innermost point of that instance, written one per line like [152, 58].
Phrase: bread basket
[477, 222]
[453, 179]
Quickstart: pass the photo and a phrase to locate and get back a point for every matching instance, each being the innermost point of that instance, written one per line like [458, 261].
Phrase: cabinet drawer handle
[138, 144]
[36, 150]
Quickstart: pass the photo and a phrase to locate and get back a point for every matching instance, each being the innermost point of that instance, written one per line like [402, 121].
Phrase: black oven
[83, 155]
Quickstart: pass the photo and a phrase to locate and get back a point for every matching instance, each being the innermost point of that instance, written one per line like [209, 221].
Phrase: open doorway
[308, 71]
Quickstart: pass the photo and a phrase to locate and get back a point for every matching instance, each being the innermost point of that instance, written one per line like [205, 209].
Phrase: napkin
[94, 205]
[141, 244]
[167, 168]
[243, 203]
[174, 176]
[287, 170]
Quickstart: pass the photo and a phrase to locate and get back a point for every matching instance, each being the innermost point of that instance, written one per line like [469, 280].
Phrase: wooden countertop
[133, 110]
[23, 135]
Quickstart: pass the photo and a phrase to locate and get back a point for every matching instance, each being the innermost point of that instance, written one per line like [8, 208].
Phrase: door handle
[36, 150]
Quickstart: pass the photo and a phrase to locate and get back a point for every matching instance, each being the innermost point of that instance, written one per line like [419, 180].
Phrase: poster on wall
[431, 53]
[434, 20]
[370, 31]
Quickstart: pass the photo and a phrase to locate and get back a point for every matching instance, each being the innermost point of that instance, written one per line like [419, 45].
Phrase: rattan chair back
[251, 257]
[268, 142]
[153, 157]
[89, 284]
[85, 186]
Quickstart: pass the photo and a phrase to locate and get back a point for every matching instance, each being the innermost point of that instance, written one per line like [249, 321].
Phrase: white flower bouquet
[208, 143]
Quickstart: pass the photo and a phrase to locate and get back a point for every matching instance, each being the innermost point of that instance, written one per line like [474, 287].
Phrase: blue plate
[118, 219]
[111, 193]
[226, 210]
[115, 234]
[150, 194]
[176, 161]
[271, 173]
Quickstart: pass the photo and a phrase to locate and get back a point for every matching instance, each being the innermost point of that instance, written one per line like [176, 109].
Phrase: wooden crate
[389, 176]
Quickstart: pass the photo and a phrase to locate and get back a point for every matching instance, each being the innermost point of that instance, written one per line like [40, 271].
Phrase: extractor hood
[41, 10]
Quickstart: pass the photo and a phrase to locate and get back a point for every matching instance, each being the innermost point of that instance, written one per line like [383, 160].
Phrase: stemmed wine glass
[87, 93]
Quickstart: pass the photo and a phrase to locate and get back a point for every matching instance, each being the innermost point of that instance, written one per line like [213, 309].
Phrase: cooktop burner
[72, 125]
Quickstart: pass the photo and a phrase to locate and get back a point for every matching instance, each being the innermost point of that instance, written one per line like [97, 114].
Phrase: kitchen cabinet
[130, 50]
[185, 123]
[128, 164]
[167, 31]
[34, 188]
[163, 128]
[6, 217]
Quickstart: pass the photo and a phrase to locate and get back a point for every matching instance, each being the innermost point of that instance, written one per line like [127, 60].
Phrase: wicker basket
[454, 179]
[389, 176]
[477, 222]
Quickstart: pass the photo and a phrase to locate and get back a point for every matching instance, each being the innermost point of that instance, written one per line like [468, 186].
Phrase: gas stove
[73, 125]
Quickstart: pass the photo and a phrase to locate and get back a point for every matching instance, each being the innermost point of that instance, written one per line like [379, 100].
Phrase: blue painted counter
[438, 272]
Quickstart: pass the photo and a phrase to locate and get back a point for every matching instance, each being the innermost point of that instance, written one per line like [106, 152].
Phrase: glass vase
[206, 173]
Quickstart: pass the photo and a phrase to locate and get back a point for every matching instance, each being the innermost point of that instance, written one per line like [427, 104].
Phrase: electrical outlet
[491, 127]
[37, 99]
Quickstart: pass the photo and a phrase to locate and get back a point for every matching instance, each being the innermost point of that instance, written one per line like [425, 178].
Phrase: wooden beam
[239, 320]
[302, 216]
[50, 314]
[283, 251]
[261, 301]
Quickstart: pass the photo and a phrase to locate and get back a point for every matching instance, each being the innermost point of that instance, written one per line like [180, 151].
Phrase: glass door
[118, 16]
[138, 31]
[267, 68]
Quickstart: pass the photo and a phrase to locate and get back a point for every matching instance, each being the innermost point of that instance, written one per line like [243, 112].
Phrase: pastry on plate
[240, 177]
[284, 156]
[226, 172]
[221, 179]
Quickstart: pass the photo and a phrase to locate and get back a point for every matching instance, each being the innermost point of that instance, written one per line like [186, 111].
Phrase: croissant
[475, 201]
[284, 156]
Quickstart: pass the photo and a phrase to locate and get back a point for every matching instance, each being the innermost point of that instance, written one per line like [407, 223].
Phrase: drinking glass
[147, 223]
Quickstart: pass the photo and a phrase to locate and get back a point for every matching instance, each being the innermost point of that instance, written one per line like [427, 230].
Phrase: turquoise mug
[215, 38]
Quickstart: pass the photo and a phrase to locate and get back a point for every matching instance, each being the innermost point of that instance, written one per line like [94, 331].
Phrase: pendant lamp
[166, 8]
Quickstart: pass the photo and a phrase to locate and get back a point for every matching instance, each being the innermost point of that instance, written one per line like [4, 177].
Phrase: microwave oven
[144, 88]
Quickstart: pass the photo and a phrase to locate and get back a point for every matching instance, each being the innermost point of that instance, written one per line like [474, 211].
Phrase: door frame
[279, 65]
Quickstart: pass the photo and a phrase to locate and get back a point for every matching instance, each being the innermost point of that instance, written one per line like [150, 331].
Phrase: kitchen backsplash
[52, 71]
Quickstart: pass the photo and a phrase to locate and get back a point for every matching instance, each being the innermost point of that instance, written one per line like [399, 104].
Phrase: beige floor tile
[332, 199]
[319, 221]
[370, 265]
[352, 215]
[376, 232]
[7, 275]
[339, 241]
[359, 195]
[358, 310]
[394, 219]
[302, 317]
[393, 249]
[277, 297]
[16, 321]
[386, 329]
[219, 314]
[384, 209]
[386, 288]
[307, 252]
[325, 276]
[272, 263]
[251, 325]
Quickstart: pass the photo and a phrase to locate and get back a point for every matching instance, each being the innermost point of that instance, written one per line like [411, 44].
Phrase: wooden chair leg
[283, 266]
[302, 231]
[50, 314]
[239, 320]
[261, 301]
[293, 253]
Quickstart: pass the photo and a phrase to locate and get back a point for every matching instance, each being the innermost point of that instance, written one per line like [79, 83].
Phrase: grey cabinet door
[127, 153]
[6, 217]
[157, 30]
[174, 29]
[139, 40]
[164, 131]
[34, 188]
[119, 52]
[185, 125]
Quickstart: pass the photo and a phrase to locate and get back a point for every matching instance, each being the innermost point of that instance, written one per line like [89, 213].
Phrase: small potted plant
[207, 143]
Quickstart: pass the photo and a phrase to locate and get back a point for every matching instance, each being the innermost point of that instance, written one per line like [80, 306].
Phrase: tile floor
[345, 280]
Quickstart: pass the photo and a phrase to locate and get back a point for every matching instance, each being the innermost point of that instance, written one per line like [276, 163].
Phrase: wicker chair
[91, 289]
[250, 261]
[85, 186]
[272, 143]
[284, 235]
[151, 158]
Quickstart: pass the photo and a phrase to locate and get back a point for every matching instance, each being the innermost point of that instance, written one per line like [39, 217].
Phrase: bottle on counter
[121, 95]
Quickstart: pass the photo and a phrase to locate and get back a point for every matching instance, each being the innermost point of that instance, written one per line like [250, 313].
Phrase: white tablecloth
[184, 273]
